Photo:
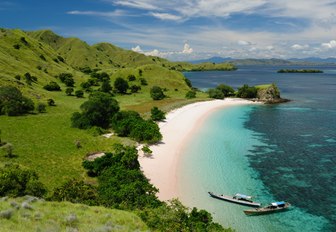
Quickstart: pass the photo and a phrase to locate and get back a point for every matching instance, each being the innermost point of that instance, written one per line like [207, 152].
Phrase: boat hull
[232, 200]
[265, 210]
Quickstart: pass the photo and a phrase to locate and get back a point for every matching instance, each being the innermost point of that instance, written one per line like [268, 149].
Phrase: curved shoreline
[161, 167]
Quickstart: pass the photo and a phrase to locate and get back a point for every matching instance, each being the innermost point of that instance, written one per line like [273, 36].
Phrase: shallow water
[279, 152]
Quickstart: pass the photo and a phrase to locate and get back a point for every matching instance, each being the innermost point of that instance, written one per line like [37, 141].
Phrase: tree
[131, 77]
[41, 107]
[157, 114]
[215, 93]
[106, 86]
[156, 93]
[135, 88]
[247, 92]
[146, 150]
[121, 85]
[69, 91]
[190, 94]
[143, 81]
[13, 103]
[188, 82]
[79, 93]
[97, 111]
[52, 86]
[51, 102]
[226, 90]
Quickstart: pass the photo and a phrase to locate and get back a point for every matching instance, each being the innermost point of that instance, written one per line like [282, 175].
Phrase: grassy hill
[32, 214]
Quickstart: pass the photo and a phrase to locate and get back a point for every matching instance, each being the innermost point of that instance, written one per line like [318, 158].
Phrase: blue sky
[187, 29]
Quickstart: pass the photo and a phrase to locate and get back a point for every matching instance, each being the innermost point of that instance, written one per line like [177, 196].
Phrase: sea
[282, 152]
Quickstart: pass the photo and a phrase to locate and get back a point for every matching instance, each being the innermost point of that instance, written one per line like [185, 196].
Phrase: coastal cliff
[269, 94]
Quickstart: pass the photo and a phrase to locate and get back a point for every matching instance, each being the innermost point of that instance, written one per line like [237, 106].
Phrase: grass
[64, 216]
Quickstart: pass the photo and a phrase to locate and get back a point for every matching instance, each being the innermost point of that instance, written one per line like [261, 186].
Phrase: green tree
[226, 90]
[146, 150]
[143, 81]
[52, 86]
[131, 77]
[106, 86]
[41, 107]
[247, 92]
[156, 93]
[51, 102]
[215, 93]
[79, 93]
[13, 103]
[121, 85]
[157, 114]
[190, 94]
[135, 88]
[97, 111]
[69, 91]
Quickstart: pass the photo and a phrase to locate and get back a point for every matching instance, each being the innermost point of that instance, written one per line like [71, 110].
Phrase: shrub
[18, 77]
[69, 91]
[67, 79]
[52, 86]
[190, 94]
[43, 58]
[13, 103]
[143, 81]
[106, 86]
[226, 90]
[41, 107]
[79, 93]
[146, 150]
[188, 82]
[157, 114]
[131, 77]
[156, 93]
[51, 102]
[247, 92]
[135, 88]
[121, 85]
[215, 93]
[16, 46]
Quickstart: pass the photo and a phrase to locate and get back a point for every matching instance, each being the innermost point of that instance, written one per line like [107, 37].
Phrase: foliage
[157, 114]
[135, 88]
[146, 150]
[300, 71]
[190, 94]
[121, 182]
[176, 217]
[69, 91]
[130, 123]
[51, 102]
[67, 79]
[157, 93]
[215, 93]
[13, 103]
[97, 111]
[52, 86]
[29, 78]
[15, 182]
[106, 86]
[247, 92]
[41, 107]
[79, 93]
[227, 90]
[76, 191]
[131, 77]
[188, 82]
[121, 85]
[143, 81]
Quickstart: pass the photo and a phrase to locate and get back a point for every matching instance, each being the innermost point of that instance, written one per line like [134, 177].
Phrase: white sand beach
[161, 167]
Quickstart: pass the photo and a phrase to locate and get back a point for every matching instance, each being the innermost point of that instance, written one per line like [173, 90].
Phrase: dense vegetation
[300, 71]
[13, 103]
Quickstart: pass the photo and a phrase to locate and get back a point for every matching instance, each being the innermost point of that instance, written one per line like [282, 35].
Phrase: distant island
[300, 71]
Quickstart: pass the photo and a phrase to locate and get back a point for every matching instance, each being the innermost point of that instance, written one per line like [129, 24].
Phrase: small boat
[237, 198]
[272, 208]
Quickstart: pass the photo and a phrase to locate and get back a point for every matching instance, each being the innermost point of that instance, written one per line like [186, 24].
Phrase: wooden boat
[272, 208]
[237, 198]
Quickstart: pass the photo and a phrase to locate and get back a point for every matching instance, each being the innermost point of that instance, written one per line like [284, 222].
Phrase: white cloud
[330, 45]
[155, 52]
[166, 16]
[187, 49]
[137, 49]
[141, 4]
[244, 43]
[300, 47]
[98, 13]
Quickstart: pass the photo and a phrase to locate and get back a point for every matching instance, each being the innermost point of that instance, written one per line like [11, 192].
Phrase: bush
[157, 114]
[16, 46]
[67, 79]
[13, 103]
[18, 77]
[16, 182]
[143, 81]
[52, 86]
[69, 91]
[79, 93]
[226, 90]
[215, 93]
[190, 94]
[156, 93]
[188, 82]
[131, 77]
[247, 92]
[51, 102]
[97, 111]
[135, 88]
[121, 85]
[41, 107]
[106, 86]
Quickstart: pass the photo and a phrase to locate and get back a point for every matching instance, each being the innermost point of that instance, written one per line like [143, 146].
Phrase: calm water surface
[275, 152]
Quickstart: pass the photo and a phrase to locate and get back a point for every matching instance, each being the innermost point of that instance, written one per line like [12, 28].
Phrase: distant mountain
[278, 62]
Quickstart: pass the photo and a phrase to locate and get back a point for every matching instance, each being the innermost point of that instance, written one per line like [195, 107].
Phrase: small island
[300, 71]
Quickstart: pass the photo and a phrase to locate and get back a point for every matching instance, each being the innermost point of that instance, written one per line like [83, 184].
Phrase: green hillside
[32, 214]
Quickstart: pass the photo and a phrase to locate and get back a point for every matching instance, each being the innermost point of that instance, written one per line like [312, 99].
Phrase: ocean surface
[273, 152]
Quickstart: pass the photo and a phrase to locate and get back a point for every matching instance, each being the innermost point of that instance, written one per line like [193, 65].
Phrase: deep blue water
[296, 156]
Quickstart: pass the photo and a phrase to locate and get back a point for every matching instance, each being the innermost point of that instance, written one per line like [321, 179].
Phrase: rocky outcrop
[270, 95]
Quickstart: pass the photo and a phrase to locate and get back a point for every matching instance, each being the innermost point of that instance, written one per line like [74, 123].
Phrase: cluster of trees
[300, 71]
[52, 86]
[67, 79]
[157, 93]
[13, 103]
[222, 91]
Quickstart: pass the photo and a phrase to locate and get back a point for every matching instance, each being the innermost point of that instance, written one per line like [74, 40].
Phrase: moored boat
[272, 208]
[237, 198]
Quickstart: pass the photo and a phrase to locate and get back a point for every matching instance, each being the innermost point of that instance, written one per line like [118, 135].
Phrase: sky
[187, 29]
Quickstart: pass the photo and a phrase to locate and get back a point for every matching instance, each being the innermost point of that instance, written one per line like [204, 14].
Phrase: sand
[161, 167]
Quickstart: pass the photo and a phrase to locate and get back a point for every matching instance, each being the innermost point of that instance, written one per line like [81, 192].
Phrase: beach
[161, 167]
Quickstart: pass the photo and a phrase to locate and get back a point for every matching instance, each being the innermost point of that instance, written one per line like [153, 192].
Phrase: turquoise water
[279, 152]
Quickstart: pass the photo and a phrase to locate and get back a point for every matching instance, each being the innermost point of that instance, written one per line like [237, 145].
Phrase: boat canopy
[243, 196]
[279, 203]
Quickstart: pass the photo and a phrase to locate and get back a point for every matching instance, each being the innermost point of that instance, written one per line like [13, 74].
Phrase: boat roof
[243, 196]
[278, 203]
